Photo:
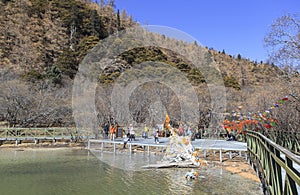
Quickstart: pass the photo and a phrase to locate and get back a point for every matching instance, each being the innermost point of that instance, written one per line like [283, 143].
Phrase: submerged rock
[192, 174]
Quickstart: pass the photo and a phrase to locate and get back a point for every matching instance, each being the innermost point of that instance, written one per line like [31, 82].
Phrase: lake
[75, 171]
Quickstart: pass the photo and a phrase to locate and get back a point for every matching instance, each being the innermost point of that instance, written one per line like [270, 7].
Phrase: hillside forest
[44, 42]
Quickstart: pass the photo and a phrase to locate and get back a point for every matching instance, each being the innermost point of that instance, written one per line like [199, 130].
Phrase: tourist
[116, 129]
[232, 136]
[189, 132]
[156, 136]
[185, 129]
[198, 134]
[126, 139]
[145, 132]
[128, 129]
[180, 130]
[131, 132]
[106, 130]
[112, 131]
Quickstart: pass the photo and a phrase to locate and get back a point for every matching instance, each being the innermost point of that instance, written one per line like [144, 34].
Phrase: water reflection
[125, 161]
[78, 172]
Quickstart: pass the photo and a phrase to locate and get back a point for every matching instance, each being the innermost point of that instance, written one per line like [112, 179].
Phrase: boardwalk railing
[32, 133]
[279, 168]
[286, 139]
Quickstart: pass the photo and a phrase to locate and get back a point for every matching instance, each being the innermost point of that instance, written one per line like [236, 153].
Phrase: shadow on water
[67, 171]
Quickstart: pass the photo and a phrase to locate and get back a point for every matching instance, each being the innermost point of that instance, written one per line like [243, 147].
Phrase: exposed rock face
[180, 153]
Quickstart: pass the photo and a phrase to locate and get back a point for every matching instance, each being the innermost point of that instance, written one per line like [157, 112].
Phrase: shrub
[230, 81]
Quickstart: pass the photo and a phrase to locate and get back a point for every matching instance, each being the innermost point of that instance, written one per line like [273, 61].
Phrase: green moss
[85, 45]
[195, 76]
[230, 81]
[142, 54]
[184, 67]
[108, 78]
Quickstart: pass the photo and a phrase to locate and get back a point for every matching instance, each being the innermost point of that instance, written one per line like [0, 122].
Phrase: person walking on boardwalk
[156, 137]
[112, 131]
[126, 138]
[180, 130]
[116, 129]
[106, 130]
[131, 132]
[145, 132]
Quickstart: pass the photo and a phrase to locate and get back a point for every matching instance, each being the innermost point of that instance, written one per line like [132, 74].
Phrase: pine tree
[239, 57]
[118, 20]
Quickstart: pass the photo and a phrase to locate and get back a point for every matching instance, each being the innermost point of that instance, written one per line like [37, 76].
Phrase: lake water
[72, 171]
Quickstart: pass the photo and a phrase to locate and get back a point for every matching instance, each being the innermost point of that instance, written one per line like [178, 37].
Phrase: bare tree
[72, 37]
[283, 42]
[40, 105]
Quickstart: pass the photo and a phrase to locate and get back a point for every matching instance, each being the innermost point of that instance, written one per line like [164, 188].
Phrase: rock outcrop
[180, 153]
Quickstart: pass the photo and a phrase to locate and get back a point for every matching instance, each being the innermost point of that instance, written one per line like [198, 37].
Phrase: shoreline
[43, 146]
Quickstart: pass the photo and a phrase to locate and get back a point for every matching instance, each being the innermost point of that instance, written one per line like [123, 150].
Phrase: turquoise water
[70, 171]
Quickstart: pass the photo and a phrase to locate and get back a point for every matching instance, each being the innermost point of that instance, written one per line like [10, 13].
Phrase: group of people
[110, 131]
[130, 135]
[185, 130]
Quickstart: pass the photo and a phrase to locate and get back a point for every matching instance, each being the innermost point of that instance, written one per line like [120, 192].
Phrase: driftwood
[162, 165]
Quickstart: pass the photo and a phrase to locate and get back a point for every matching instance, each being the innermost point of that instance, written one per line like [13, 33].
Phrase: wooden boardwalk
[220, 146]
[18, 135]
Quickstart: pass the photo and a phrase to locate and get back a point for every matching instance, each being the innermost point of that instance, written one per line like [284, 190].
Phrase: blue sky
[237, 26]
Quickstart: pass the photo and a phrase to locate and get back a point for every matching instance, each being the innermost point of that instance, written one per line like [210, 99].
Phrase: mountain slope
[42, 43]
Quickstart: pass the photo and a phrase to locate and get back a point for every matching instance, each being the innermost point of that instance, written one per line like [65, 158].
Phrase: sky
[235, 26]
